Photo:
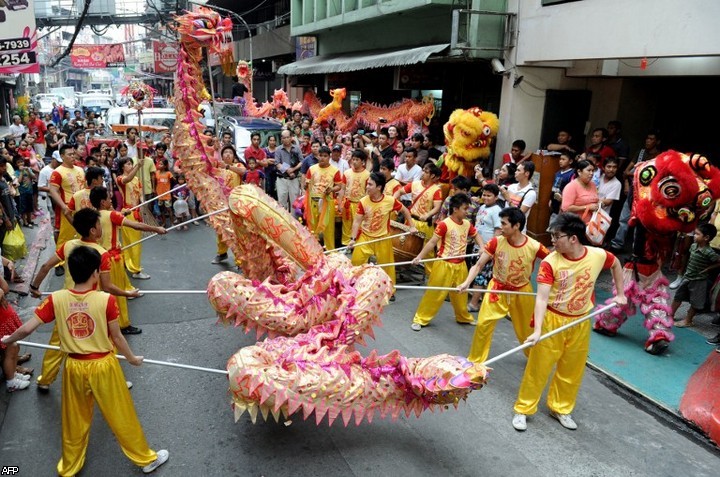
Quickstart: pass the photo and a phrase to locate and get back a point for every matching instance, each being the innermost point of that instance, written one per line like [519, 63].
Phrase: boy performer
[387, 168]
[452, 236]
[371, 222]
[514, 255]
[81, 198]
[566, 287]
[426, 203]
[323, 182]
[131, 190]
[355, 188]
[86, 321]
[65, 180]
[87, 224]
[110, 222]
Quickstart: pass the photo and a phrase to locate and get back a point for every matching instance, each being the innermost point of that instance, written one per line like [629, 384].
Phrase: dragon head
[206, 28]
[674, 191]
[338, 94]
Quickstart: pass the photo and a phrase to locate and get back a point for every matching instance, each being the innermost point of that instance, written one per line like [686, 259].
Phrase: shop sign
[18, 37]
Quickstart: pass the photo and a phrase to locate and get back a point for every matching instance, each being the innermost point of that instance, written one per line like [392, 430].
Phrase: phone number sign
[18, 37]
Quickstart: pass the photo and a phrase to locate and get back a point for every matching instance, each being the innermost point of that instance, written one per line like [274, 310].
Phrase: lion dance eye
[647, 175]
[699, 162]
[486, 131]
[704, 199]
[669, 187]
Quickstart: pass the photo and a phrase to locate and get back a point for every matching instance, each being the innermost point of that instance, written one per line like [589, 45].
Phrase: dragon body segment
[314, 308]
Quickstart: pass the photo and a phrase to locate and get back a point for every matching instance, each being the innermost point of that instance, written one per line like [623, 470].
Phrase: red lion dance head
[673, 192]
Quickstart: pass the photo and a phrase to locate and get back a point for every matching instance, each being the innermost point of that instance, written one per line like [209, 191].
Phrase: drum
[406, 247]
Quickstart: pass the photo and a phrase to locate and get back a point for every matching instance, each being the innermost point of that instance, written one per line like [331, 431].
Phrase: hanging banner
[166, 56]
[18, 37]
[97, 56]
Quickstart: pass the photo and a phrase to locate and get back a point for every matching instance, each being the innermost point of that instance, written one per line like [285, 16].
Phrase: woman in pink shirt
[581, 196]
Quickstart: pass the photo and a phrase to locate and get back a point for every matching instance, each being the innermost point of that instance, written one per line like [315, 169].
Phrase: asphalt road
[189, 412]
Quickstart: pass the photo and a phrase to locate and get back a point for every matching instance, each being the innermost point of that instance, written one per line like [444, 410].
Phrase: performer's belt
[89, 356]
[565, 315]
[498, 285]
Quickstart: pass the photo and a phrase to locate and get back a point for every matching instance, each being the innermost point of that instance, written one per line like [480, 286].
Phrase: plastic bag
[598, 227]
[13, 246]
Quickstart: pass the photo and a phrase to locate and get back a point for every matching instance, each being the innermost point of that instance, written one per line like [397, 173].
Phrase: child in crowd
[163, 181]
[487, 224]
[181, 204]
[25, 177]
[459, 184]
[254, 175]
[9, 322]
[562, 178]
[693, 288]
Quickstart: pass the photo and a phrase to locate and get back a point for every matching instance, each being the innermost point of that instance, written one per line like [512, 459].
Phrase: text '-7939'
[14, 44]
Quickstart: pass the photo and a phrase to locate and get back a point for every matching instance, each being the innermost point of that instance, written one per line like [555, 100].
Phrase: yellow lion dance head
[468, 134]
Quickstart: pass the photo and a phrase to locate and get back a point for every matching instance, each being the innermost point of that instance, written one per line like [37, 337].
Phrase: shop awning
[360, 61]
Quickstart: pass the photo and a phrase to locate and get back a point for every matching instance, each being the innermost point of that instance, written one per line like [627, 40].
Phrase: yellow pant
[119, 278]
[52, 360]
[67, 231]
[329, 232]
[383, 251]
[222, 247]
[444, 274]
[99, 380]
[520, 309]
[568, 350]
[347, 222]
[428, 230]
[132, 255]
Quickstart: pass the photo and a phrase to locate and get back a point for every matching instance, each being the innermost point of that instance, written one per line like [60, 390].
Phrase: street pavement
[189, 412]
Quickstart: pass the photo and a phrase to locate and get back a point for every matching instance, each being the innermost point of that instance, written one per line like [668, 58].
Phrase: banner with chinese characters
[18, 37]
[166, 56]
[97, 56]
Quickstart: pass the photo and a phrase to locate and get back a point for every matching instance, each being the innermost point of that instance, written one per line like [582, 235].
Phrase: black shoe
[392, 297]
[220, 258]
[714, 340]
[716, 320]
[130, 330]
[59, 271]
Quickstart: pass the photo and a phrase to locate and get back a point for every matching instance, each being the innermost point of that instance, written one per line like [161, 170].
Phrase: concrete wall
[616, 29]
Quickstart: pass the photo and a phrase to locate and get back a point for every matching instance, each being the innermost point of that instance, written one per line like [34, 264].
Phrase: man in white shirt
[610, 187]
[336, 160]
[521, 194]
[17, 128]
[44, 183]
[408, 172]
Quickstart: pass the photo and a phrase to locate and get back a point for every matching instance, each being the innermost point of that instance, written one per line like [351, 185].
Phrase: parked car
[164, 117]
[99, 104]
[241, 127]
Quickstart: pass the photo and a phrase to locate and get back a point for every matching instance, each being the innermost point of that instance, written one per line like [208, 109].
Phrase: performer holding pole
[88, 329]
[131, 189]
[65, 181]
[356, 180]
[566, 286]
[452, 236]
[426, 203]
[514, 255]
[323, 182]
[371, 222]
[110, 222]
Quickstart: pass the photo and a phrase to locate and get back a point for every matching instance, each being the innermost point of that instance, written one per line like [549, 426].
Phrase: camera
[382, 120]
[361, 131]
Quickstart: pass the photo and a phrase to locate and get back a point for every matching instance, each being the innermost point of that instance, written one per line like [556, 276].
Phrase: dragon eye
[669, 187]
[647, 175]
[704, 199]
[486, 131]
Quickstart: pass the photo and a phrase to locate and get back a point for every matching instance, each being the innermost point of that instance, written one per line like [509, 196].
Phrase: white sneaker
[416, 326]
[566, 420]
[16, 385]
[519, 422]
[141, 276]
[128, 384]
[22, 377]
[162, 457]
[676, 284]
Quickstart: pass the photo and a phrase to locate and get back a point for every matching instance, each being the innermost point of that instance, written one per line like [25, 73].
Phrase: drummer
[371, 222]
[426, 203]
